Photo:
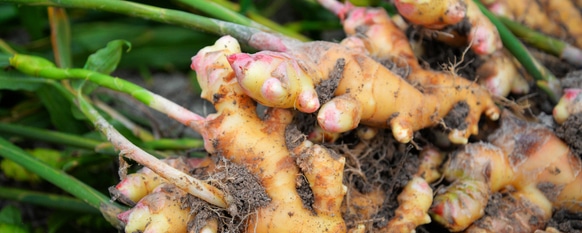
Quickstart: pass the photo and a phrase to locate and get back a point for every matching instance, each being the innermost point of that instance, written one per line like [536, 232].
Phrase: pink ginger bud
[570, 103]
[160, 211]
[275, 79]
[432, 14]
[341, 114]
[485, 38]
[212, 67]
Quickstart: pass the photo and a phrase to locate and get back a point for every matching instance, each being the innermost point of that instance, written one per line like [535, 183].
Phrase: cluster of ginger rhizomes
[499, 72]
[366, 91]
[533, 170]
[157, 205]
[237, 133]
[372, 32]
[263, 146]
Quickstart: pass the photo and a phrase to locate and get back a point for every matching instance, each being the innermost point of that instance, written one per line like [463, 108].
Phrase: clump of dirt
[326, 89]
[510, 213]
[455, 119]
[305, 193]
[382, 163]
[571, 132]
[566, 221]
[572, 79]
[440, 56]
[239, 183]
[398, 67]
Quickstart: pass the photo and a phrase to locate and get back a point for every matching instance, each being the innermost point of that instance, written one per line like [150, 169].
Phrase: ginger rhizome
[568, 105]
[159, 211]
[371, 31]
[366, 91]
[157, 205]
[533, 169]
[559, 18]
[238, 134]
[135, 186]
[499, 72]
[482, 35]
[432, 14]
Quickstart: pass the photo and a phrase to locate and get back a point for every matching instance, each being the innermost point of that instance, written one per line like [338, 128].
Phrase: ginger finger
[435, 14]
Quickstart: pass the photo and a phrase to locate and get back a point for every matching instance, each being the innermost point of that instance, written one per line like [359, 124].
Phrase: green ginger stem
[47, 199]
[37, 66]
[243, 34]
[545, 80]
[62, 180]
[546, 43]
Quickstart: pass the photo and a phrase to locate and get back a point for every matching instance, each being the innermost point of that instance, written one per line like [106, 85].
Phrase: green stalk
[62, 180]
[102, 147]
[182, 180]
[221, 12]
[545, 80]
[174, 144]
[548, 44]
[242, 33]
[37, 66]
[259, 18]
[137, 131]
[49, 200]
[58, 138]
[4, 47]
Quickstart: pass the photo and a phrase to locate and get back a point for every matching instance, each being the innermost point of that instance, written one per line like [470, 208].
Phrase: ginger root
[482, 35]
[432, 14]
[135, 186]
[537, 172]
[261, 147]
[366, 91]
[372, 31]
[569, 104]
[159, 211]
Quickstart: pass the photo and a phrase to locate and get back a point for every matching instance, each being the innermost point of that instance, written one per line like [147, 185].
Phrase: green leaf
[59, 109]
[105, 60]
[7, 12]
[34, 20]
[4, 60]
[61, 36]
[16, 81]
[12, 228]
[10, 215]
[59, 178]
[16, 172]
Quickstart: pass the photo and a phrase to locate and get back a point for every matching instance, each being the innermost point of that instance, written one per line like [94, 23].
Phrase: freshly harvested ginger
[237, 133]
[569, 104]
[434, 14]
[366, 91]
[482, 35]
[371, 31]
[135, 186]
[537, 172]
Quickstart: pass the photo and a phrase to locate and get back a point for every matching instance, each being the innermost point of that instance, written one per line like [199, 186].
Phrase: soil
[326, 89]
[242, 186]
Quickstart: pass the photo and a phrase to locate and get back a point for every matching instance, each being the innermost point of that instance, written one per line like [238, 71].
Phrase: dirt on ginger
[262, 147]
[371, 31]
[524, 172]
